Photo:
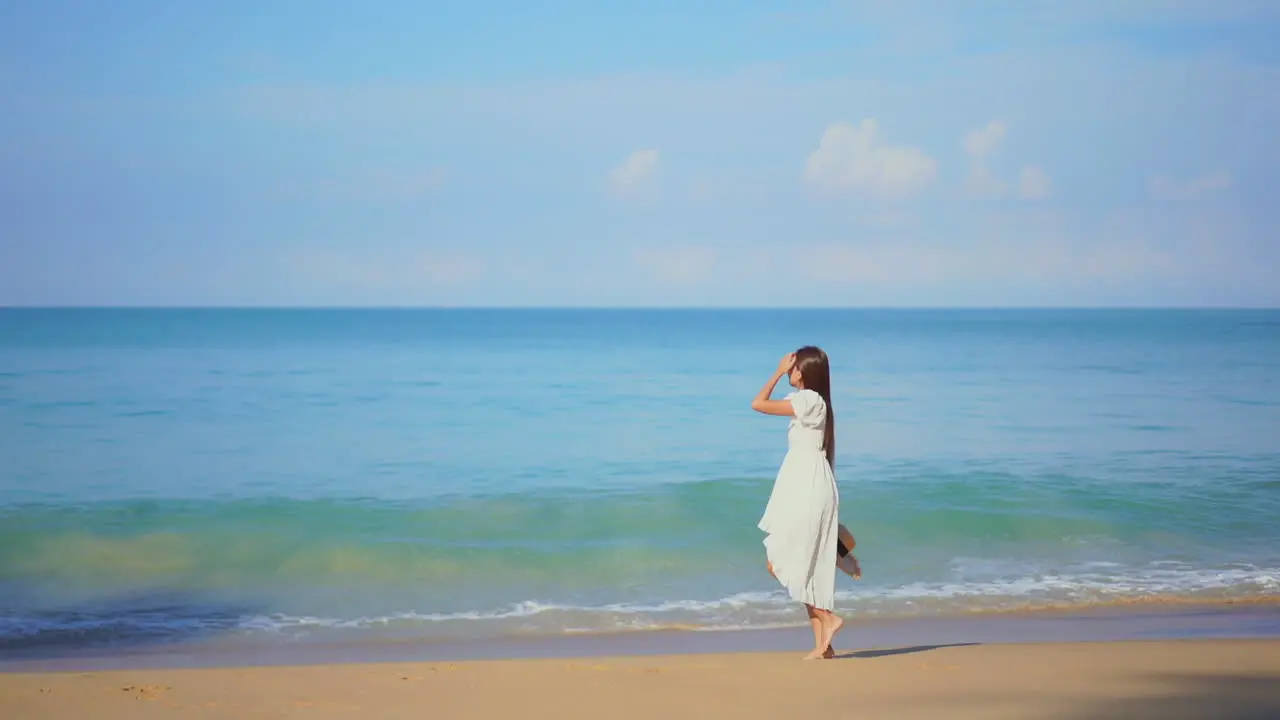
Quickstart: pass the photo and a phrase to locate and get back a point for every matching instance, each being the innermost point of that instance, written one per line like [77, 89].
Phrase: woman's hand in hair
[762, 403]
[788, 361]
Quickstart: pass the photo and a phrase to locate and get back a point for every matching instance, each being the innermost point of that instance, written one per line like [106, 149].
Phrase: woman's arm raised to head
[763, 404]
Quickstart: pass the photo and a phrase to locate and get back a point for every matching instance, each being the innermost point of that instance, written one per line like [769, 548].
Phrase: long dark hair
[815, 373]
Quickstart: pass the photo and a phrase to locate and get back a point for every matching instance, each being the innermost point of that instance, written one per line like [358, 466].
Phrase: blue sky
[903, 153]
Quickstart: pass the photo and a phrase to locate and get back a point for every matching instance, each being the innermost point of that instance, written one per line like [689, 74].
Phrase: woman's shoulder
[803, 396]
[805, 402]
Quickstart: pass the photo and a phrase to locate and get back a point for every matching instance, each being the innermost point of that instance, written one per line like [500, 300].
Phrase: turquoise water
[292, 475]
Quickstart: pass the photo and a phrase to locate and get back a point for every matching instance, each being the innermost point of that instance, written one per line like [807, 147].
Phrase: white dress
[802, 517]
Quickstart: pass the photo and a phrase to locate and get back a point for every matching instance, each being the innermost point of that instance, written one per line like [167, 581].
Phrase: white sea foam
[976, 586]
[1104, 585]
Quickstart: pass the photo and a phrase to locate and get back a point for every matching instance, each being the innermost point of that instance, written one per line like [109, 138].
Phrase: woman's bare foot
[831, 624]
[815, 655]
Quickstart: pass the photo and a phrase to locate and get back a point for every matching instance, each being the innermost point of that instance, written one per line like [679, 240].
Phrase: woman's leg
[831, 624]
[825, 626]
[820, 648]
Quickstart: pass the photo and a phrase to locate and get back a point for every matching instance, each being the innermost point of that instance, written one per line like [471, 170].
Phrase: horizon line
[755, 308]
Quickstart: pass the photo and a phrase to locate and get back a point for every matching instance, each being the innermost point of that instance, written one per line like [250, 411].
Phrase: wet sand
[1156, 620]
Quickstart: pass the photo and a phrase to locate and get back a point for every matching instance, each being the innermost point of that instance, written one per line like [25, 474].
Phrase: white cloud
[877, 263]
[1034, 183]
[1198, 188]
[678, 265]
[736, 187]
[997, 261]
[337, 269]
[449, 268]
[636, 175]
[857, 158]
[1056, 247]
[978, 144]
[983, 141]
[1049, 254]
[388, 270]
[982, 183]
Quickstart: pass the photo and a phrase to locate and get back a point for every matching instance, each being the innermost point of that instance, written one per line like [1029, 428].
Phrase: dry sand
[1228, 680]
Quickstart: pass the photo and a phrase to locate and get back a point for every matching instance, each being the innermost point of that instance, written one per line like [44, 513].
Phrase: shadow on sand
[886, 652]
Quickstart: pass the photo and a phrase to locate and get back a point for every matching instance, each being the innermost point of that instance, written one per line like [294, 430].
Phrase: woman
[801, 518]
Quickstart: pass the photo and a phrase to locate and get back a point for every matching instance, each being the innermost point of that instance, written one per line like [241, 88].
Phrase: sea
[277, 476]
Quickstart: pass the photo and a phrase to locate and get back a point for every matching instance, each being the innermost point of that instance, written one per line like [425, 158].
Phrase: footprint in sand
[146, 692]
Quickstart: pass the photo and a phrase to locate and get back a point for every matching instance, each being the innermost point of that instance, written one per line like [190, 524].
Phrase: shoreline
[1159, 620]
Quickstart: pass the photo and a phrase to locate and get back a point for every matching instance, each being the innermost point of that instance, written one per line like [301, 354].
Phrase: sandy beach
[1226, 679]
